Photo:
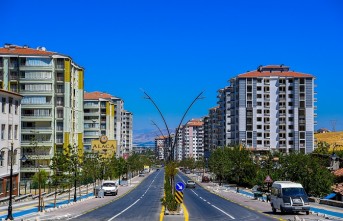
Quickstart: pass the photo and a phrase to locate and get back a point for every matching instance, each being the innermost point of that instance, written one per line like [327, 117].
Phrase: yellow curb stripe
[185, 212]
[162, 213]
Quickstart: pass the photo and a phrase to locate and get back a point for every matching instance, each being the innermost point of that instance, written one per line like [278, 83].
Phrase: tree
[120, 167]
[322, 148]
[220, 164]
[307, 170]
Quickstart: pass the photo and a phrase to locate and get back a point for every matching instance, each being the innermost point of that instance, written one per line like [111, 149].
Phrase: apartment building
[212, 126]
[52, 107]
[179, 144]
[160, 146]
[193, 139]
[127, 135]
[271, 108]
[104, 114]
[10, 138]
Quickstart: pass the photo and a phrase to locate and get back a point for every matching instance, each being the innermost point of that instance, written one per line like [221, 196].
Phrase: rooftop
[24, 50]
[274, 70]
[96, 95]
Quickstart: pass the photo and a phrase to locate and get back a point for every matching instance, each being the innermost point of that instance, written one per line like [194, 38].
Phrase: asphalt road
[204, 205]
[142, 203]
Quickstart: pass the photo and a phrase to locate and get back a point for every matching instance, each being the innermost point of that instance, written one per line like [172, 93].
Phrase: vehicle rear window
[109, 184]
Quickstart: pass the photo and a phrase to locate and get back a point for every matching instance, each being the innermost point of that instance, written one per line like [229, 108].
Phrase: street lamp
[23, 159]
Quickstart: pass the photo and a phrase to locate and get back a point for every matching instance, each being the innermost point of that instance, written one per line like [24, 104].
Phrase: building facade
[10, 140]
[271, 108]
[212, 129]
[127, 132]
[160, 146]
[52, 107]
[193, 139]
[104, 114]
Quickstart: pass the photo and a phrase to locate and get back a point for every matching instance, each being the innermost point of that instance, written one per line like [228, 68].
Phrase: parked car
[187, 171]
[205, 179]
[190, 184]
[110, 187]
[141, 174]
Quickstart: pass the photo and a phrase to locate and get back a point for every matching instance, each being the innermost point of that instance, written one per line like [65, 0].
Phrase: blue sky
[173, 50]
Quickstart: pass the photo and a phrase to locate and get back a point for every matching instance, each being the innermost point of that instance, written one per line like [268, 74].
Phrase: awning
[330, 196]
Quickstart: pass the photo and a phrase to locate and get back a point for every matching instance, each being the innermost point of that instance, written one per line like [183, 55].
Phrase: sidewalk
[28, 211]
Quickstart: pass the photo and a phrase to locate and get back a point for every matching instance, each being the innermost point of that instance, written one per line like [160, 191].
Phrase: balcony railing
[36, 115]
[14, 78]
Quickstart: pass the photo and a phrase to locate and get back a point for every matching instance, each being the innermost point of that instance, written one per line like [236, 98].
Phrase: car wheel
[282, 210]
[307, 212]
[273, 209]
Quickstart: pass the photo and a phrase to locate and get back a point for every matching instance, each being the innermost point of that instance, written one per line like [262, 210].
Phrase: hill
[332, 138]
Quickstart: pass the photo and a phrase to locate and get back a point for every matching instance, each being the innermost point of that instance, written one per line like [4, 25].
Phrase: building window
[259, 95]
[16, 132]
[259, 126]
[259, 111]
[10, 132]
[2, 153]
[3, 131]
[16, 107]
[10, 102]
[3, 104]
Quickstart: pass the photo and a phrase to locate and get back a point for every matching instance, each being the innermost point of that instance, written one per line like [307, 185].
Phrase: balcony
[60, 66]
[36, 130]
[58, 78]
[13, 77]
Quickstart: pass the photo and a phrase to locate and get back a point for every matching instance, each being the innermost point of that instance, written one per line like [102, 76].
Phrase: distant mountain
[146, 137]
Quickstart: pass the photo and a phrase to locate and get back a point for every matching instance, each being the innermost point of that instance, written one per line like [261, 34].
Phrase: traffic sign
[180, 186]
[179, 196]
[268, 179]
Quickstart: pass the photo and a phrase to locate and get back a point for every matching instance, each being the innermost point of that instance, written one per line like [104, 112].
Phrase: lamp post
[170, 143]
[23, 159]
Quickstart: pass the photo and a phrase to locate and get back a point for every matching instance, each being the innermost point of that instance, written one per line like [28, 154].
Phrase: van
[288, 196]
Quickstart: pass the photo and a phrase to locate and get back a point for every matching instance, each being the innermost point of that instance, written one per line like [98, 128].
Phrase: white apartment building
[271, 108]
[127, 132]
[10, 138]
[193, 139]
[160, 146]
[52, 106]
[104, 114]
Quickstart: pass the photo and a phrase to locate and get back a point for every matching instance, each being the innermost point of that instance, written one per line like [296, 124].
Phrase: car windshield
[293, 191]
[109, 184]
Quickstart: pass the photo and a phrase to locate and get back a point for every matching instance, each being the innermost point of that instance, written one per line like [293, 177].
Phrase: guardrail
[331, 202]
[22, 197]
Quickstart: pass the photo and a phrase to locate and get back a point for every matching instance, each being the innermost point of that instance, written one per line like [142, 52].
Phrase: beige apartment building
[104, 114]
[52, 87]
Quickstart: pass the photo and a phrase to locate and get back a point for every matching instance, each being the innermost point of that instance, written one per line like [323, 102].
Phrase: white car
[110, 187]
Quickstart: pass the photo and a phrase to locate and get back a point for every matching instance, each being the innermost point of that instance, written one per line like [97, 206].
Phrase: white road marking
[134, 202]
[213, 205]
[194, 192]
[224, 212]
[124, 210]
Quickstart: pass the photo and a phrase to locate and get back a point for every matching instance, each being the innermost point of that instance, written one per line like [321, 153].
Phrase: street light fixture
[23, 159]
